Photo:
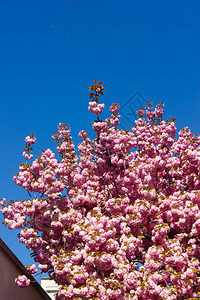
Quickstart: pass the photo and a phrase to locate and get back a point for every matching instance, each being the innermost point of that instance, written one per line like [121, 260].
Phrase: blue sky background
[50, 52]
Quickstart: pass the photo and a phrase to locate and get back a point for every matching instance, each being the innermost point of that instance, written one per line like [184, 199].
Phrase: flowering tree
[128, 198]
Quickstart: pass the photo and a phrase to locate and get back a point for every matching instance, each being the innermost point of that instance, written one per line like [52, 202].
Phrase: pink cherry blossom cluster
[22, 281]
[95, 108]
[31, 269]
[30, 139]
[120, 219]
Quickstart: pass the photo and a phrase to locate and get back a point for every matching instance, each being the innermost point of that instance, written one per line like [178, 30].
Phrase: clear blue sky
[50, 52]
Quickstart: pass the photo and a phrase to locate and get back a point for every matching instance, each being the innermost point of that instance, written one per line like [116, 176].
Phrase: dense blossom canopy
[128, 198]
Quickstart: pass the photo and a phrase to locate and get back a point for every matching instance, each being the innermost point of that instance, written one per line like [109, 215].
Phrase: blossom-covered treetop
[125, 199]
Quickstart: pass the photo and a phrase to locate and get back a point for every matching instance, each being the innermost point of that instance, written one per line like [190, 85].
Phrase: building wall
[10, 268]
[50, 287]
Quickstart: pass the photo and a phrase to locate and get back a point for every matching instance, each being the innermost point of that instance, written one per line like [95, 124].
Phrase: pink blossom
[22, 281]
[95, 108]
[30, 140]
[31, 269]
